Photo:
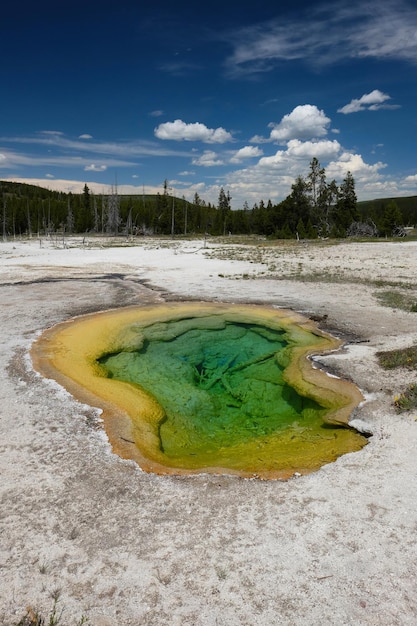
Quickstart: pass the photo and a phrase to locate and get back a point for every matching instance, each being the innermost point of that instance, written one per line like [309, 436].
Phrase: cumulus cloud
[298, 154]
[368, 102]
[95, 168]
[354, 163]
[259, 139]
[272, 176]
[310, 149]
[207, 159]
[246, 153]
[306, 121]
[277, 160]
[180, 131]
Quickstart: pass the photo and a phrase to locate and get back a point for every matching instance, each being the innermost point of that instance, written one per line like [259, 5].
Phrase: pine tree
[346, 208]
[391, 218]
[224, 208]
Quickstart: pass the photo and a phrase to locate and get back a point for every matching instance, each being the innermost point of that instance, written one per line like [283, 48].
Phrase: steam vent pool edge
[189, 388]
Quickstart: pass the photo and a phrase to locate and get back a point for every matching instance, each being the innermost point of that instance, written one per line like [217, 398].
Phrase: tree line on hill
[314, 208]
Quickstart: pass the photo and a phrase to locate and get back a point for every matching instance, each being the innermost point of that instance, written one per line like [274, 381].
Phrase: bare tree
[4, 220]
[95, 213]
[28, 219]
[70, 217]
[362, 229]
[113, 212]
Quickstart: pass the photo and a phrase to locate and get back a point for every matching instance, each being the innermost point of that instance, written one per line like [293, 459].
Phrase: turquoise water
[219, 382]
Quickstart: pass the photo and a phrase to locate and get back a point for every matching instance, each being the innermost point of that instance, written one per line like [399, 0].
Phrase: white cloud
[207, 159]
[85, 136]
[354, 163]
[369, 101]
[52, 133]
[95, 168]
[246, 153]
[180, 131]
[326, 34]
[379, 189]
[272, 176]
[180, 68]
[411, 179]
[310, 149]
[125, 149]
[259, 139]
[275, 160]
[21, 159]
[156, 113]
[306, 121]
[296, 157]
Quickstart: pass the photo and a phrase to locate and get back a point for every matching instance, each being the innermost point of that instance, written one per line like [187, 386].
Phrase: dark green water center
[220, 385]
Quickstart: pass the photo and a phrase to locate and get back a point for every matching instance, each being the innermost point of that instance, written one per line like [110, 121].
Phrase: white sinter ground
[123, 547]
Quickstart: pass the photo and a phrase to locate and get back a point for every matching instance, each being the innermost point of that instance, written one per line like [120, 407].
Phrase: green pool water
[221, 387]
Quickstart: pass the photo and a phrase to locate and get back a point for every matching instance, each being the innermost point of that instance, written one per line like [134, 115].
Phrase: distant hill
[10, 188]
[375, 208]
[27, 209]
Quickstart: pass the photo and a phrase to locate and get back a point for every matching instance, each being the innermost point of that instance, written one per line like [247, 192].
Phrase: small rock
[361, 426]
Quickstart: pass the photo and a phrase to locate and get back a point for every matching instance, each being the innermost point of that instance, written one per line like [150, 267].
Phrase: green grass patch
[407, 400]
[397, 300]
[403, 357]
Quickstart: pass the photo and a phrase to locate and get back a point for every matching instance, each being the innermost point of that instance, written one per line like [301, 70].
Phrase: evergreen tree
[224, 208]
[298, 205]
[301, 231]
[347, 209]
[86, 199]
[391, 219]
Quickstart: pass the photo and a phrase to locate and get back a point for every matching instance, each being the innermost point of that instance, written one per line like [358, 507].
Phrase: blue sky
[209, 95]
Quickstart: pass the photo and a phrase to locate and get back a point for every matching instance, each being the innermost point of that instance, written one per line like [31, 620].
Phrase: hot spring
[206, 388]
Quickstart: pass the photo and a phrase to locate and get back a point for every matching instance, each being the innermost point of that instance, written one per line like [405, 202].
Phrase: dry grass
[407, 359]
